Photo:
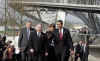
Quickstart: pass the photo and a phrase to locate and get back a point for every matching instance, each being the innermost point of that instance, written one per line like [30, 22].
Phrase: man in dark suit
[23, 41]
[38, 42]
[1, 48]
[85, 51]
[79, 51]
[64, 45]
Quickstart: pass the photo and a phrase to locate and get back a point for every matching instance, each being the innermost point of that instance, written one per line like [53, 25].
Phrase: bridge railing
[85, 2]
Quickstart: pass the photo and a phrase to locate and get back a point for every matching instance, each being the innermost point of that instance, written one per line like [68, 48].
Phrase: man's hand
[46, 53]
[78, 54]
[32, 50]
[72, 52]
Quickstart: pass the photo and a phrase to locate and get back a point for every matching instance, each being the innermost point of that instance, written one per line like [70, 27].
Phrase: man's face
[80, 42]
[39, 28]
[59, 25]
[28, 25]
[51, 28]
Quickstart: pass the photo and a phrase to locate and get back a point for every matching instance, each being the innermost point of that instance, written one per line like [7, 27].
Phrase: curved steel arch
[91, 21]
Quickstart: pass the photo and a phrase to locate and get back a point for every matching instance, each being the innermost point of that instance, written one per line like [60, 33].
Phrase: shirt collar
[62, 30]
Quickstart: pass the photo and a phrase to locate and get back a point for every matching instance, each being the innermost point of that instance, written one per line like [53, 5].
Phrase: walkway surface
[92, 58]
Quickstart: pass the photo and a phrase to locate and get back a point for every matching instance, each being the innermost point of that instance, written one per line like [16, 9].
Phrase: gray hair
[28, 22]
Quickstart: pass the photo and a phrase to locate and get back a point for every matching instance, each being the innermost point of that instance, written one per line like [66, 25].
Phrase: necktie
[84, 48]
[61, 35]
[28, 33]
[39, 34]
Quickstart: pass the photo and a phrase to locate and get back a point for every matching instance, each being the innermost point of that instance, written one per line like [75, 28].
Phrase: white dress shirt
[61, 30]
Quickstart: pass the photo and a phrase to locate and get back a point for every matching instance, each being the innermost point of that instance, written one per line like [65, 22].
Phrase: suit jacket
[86, 50]
[23, 39]
[38, 43]
[67, 40]
[79, 49]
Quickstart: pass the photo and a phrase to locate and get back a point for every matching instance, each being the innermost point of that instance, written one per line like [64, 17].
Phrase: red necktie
[61, 35]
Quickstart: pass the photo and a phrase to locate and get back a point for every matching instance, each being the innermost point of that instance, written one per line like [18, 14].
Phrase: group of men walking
[35, 45]
[54, 45]
[82, 51]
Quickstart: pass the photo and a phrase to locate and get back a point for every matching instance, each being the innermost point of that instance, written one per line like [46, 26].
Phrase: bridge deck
[78, 7]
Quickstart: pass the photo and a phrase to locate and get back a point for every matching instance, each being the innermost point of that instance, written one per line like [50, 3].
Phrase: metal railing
[86, 2]
[71, 6]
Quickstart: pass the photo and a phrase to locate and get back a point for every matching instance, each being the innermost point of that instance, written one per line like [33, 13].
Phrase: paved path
[92, 58]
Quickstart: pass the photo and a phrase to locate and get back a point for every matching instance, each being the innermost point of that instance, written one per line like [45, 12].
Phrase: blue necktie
[28, 33]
